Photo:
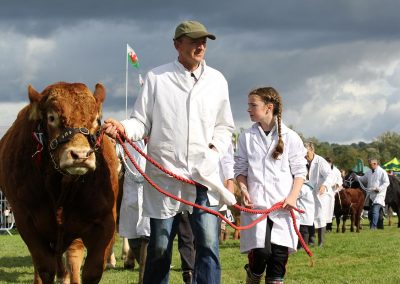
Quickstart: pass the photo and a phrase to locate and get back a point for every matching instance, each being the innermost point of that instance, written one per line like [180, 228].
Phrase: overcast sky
[335, 63]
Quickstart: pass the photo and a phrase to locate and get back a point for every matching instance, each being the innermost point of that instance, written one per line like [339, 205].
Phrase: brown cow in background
[61, 186]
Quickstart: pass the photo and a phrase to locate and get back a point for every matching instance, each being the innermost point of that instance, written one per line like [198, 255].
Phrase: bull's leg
[45, 266]
[125, 248]
[390, 216]
[98, 244]
[74, 258]
[43, 257]
[357, 220]
[352, 219]
[337, 223]
[344, 223]
[36, 277]
[236, 234]
[398, 216]
[226, 233]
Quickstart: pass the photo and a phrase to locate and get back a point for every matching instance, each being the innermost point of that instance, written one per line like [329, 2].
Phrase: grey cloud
[285, 44]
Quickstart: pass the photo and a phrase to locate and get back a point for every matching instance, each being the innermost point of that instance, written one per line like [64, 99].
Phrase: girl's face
[258, 109]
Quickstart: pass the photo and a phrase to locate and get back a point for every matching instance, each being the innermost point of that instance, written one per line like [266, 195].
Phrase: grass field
[367, 257]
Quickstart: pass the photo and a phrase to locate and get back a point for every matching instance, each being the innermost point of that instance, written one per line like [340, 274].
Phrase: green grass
[367, 257]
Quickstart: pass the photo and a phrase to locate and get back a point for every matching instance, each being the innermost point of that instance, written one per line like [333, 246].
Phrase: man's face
[310, 154]
[191, 51]
[373, 164]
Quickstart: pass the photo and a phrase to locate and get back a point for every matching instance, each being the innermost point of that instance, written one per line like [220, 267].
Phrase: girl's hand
[246, 197]
[322, 189]
[289, 203]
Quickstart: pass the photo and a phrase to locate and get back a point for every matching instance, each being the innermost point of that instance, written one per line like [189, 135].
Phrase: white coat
[306, 203]
[376, 180]
[320, 173]
[269, 181]
[132, 224]
[182, 120]
[337, 184]
[226, 163]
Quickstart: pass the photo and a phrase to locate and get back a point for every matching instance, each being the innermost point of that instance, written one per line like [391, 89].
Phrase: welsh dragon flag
[132, 57]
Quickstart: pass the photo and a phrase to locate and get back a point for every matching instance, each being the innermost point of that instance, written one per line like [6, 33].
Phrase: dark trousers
[186, 243]
[272, 258]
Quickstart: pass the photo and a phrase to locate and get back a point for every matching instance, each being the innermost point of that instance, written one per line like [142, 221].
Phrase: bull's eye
[51, 118]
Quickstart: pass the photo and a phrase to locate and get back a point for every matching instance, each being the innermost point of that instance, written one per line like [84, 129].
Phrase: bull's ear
[100, 93]
[34, 98]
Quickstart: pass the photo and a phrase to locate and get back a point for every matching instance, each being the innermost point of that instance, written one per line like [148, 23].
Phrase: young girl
[270, 167]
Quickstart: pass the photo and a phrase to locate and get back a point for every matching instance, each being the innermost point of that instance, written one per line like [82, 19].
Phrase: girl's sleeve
[297, 153]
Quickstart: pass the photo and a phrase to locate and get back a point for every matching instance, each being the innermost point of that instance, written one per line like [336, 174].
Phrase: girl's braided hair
[270, 95]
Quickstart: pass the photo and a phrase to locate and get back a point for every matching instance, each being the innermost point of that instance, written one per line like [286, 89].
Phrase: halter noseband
[69, 132]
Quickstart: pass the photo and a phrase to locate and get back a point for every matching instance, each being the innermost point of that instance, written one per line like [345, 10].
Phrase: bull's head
[70, 117]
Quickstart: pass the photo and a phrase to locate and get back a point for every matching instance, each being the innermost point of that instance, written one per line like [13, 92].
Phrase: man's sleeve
[224, 125]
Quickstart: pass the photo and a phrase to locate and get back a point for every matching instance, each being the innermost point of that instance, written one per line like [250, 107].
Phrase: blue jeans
[207, 269]
[374, 215]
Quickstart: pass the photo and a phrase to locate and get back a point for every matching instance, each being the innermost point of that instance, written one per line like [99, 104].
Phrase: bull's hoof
[129, 265]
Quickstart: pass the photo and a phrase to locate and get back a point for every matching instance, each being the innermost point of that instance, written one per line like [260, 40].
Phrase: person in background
[337, 184]
[306, 203]
[320, 177]
[184, 108]
[186, 248]
[270, 167]
[377, 181]
[132, 224]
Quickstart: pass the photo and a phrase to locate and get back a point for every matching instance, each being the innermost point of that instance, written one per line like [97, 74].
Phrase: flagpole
[126, 84]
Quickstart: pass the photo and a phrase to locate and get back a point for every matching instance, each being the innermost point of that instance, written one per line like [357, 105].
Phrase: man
[377, 182]
[184, 109]
[320, 178]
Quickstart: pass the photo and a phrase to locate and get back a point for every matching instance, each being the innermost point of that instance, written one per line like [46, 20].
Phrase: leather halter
[69, 132]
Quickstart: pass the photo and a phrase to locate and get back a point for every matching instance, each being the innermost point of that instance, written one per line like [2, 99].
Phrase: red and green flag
[132, 57]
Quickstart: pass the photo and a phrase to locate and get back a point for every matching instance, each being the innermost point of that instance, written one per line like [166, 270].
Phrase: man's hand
[112, 127]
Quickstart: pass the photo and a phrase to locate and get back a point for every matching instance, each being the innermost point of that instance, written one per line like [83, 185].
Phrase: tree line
[385, 147]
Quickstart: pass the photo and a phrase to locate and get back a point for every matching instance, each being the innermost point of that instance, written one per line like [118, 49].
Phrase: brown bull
[61, 186]
[349, 202]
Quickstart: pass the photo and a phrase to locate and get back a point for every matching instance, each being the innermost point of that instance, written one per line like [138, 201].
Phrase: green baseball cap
[193, 30]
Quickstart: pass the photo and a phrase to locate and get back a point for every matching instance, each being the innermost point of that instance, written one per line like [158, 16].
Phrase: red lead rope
[264, 212]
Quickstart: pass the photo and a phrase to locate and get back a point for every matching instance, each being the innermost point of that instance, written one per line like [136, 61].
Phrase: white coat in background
[337, 184]
[132, 224]
[320, 173]
[378, 179]
[306, 203]
[182, 120]
[269, 181]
